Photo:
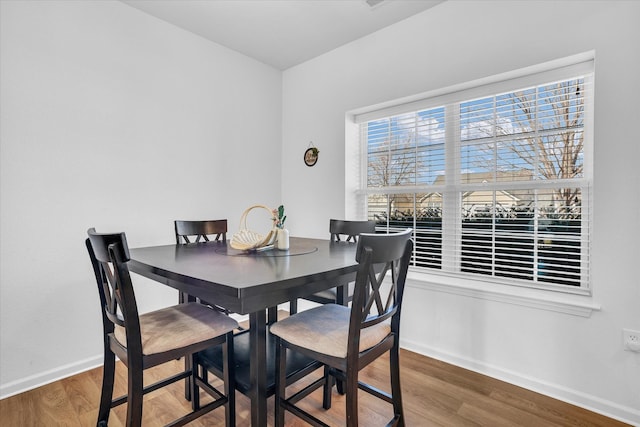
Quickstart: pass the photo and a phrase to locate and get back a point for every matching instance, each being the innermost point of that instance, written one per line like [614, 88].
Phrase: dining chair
[196, 232]
[142, 341]
[215, 229]
[200, 231]
[347, 231]
[344, 339]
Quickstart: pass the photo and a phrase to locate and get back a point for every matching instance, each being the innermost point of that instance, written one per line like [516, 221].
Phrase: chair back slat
[349, 230]
[110, 287]
[379, 255]
[200, 230]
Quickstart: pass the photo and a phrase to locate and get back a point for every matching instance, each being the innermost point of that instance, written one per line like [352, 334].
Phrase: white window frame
[565, 299]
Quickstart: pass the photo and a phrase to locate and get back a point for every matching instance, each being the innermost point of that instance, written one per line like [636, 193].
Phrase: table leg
[342, 295]
[272, 315]
[258, 367]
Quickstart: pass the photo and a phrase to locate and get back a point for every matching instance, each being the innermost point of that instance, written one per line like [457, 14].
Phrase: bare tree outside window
[405, 150]
[540, 130]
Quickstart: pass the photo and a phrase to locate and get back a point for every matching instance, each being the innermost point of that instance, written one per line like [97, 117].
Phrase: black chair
[345, 340]
[186, 232]
[347, 231]
[142, 341]
[199, 231]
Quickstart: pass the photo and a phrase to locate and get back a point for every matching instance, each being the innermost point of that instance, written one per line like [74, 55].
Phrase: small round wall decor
[311, 155]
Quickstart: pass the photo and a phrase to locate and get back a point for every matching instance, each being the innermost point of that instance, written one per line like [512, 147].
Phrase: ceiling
[282, 33]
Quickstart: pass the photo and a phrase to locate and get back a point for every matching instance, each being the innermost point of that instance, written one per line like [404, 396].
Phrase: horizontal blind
[405, 150]
[514, 198]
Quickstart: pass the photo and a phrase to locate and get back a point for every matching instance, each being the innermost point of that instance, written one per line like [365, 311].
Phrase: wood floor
[434, 393]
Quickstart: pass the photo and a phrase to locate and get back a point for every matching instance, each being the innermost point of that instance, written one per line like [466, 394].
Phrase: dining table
[250, 283]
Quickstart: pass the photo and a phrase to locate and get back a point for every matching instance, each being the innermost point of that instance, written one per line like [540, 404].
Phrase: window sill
[577, 305]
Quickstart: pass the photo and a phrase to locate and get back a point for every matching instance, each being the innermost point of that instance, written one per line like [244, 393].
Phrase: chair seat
[178, 327]
[325, 329]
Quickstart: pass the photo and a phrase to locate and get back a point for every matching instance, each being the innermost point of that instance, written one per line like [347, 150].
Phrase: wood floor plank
[84, 396]
[51, 400]
[558, 413]
[435, 394]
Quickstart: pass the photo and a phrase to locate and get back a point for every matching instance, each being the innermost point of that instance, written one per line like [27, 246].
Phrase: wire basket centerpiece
[248, 240]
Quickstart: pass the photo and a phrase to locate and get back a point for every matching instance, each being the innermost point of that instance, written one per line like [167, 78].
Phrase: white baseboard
[37, 380]
[592, 403]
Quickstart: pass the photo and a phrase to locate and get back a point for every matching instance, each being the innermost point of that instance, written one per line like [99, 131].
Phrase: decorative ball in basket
[248, 240]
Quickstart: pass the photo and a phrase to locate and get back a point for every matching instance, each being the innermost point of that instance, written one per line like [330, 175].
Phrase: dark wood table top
[247, 282]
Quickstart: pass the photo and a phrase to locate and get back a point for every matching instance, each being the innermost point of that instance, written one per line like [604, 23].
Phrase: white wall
[114, 119]
[86, 86]
[578, 359]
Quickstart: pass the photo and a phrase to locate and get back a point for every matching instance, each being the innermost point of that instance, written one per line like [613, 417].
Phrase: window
[494, 178]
